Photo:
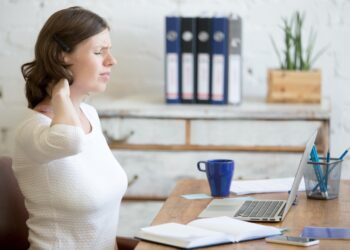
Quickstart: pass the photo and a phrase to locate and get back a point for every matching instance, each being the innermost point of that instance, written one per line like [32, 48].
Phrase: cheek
[84, 70]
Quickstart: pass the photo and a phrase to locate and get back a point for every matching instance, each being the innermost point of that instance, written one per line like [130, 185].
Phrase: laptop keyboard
[259, 208]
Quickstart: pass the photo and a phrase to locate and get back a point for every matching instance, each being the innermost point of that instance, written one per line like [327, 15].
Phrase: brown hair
[61, 33]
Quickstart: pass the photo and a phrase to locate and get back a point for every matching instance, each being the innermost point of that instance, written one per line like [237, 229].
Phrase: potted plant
[295, 81]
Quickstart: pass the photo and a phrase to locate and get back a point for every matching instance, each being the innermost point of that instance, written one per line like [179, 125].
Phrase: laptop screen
[300, 173]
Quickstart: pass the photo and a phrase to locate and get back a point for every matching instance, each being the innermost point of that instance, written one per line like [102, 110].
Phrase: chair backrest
[13, 214]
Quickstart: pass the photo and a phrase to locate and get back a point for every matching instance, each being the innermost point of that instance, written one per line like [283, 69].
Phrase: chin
[102, 87]
[100, 90]
[97, 90]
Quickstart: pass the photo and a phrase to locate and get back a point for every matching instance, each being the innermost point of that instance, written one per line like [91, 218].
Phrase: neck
[76, 98]
[76, 101]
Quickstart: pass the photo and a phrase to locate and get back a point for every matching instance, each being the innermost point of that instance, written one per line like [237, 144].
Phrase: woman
[71, 181]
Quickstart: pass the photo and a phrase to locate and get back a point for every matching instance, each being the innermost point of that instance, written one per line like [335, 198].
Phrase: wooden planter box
[294, 86]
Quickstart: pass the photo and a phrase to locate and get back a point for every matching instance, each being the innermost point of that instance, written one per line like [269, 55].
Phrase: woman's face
[91, 64]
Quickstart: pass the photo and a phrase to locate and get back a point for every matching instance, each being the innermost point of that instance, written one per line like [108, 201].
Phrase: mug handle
[199, 166]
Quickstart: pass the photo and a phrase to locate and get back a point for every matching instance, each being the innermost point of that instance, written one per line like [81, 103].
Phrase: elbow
[70, 142]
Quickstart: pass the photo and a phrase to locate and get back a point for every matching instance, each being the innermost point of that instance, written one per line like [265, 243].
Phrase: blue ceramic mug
[219, 173]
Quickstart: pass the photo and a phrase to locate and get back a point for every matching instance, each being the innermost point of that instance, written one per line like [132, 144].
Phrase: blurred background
[137, 31]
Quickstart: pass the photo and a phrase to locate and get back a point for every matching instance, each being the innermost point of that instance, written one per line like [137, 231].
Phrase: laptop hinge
[282, 210]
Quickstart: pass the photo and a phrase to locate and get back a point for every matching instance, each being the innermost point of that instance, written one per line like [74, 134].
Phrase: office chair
[13, 214]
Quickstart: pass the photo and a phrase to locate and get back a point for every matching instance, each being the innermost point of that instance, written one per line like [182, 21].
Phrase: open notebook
[205, 232]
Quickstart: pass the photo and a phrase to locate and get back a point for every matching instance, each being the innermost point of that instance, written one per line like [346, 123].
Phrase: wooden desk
[332, 213]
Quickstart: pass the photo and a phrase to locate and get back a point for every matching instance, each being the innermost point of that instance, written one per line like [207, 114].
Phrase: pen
[324, 178]
[344, 154]
[327, 168]
[318, 172]
[328, 171]
[328, 156]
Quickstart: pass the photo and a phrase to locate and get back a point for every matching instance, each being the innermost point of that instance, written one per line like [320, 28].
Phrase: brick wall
[137, 35]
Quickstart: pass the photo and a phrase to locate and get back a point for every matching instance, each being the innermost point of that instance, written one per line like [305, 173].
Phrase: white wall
[138, 34]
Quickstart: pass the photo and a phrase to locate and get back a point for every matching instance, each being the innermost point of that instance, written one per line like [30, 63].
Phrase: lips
[105, 76]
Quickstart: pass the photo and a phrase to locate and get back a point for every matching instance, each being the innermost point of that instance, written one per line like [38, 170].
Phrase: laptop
[275, 210]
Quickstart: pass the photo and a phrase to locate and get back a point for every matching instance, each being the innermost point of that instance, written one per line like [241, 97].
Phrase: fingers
[61, 87]
[62, 83]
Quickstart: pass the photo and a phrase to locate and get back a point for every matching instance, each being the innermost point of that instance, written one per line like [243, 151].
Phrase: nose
[110, 60]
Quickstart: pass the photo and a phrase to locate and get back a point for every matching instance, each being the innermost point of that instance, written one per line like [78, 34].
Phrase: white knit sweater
[71, 182]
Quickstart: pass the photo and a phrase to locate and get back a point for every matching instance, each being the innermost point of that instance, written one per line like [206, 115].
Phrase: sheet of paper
[237, 229]
[177, 231]
[264, 186]
[182, 236]
[196, 196]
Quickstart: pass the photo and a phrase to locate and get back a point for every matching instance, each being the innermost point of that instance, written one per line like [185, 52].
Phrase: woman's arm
[63, 108]
[62, 137]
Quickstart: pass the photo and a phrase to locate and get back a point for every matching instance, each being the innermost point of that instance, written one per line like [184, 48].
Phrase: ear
[66, 58]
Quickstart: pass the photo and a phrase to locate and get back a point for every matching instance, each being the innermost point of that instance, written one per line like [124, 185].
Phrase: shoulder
[31, 123]
[32, 120]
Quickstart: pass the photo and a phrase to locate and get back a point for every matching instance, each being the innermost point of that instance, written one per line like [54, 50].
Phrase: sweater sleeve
[44, 143]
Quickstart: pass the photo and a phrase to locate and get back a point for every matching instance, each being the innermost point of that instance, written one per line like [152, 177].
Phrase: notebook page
[237, 230]
[178, 231]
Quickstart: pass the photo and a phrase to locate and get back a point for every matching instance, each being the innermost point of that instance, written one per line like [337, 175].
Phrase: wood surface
[294, 86]
[152, 147]
[330, 213]
[252, 108]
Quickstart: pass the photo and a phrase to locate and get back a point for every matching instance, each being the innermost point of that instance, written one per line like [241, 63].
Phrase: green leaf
[296, 56]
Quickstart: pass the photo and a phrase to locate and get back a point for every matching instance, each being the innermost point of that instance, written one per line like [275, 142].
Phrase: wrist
[59, 96]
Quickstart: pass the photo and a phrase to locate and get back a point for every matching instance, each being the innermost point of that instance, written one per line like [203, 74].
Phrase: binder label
[234, 79]
[203, 76]
[187, 76]
[172, 75]
[218, 77]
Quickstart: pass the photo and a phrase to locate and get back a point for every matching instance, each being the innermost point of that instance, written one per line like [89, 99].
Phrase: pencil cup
[322, 179]
[219, 173]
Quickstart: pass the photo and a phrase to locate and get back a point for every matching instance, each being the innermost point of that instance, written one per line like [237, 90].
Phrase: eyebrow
[102, 47]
